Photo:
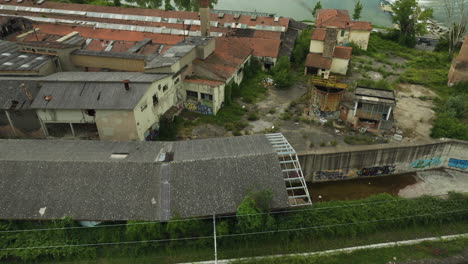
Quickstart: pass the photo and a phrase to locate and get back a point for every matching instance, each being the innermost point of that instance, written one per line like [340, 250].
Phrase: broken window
[207, 97]
[91, 112]
[342, 32]
[177, 81]
[155, 100]
[191, 94]
[165, 88]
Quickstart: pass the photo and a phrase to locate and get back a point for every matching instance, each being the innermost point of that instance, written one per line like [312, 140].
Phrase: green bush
[359, 140]
[253, 116]
[282, 74]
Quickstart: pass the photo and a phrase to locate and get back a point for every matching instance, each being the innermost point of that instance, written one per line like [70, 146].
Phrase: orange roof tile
[318, 34]
[108, 34]
[342, 52]
[340, 19]
[316, 60]
[228, 18]
[228, 55]
[205, 82]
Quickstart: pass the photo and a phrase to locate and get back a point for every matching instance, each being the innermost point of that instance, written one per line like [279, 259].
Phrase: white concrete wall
[148, 115]
[360, 37]
[339, 66]
[316, 46]
[64, 116]
[216, 91]
[343, 39]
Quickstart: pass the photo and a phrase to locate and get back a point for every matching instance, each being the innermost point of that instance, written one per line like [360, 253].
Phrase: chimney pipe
[126, 84]
[204, 17]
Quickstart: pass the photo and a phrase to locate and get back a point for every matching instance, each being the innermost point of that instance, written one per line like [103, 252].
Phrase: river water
[300, 9]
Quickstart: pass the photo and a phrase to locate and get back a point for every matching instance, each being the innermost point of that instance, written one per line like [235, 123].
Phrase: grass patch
[359, 140]
[425, 250]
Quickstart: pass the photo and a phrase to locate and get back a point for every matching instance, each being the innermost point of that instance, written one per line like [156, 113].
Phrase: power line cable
[233, 235]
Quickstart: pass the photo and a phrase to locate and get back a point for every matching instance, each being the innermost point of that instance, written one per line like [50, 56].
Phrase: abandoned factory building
[118, 181]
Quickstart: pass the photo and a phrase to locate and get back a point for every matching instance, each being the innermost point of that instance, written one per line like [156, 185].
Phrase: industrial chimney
[126, 84]
[205, 17]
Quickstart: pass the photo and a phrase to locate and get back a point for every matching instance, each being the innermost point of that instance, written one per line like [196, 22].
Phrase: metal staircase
[298, 194]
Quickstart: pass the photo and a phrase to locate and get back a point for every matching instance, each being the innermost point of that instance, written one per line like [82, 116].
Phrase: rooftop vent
[253, 18]
[48, 98]
[237, 16]
[220, 15]
[119, 156]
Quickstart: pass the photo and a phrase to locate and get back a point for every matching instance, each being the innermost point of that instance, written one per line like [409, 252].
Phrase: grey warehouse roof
[11, 59]
[375, 95]
[171, 56]
[100, 90]
[43, 179]
[104, 77]
[13, 94]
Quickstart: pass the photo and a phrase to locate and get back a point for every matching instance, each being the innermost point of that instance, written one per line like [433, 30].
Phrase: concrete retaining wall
[380, 160]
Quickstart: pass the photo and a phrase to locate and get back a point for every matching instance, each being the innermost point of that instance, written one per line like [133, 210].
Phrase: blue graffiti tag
[456, 163]
[420, 164]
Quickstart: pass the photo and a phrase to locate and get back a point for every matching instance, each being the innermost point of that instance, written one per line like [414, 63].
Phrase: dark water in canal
[360, 188]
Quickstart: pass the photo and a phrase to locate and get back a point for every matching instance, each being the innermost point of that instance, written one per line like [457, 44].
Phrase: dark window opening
[14, 104]
[91, 112]
[342, 32]
[155, 100]
[207, 97]
[159, 87]
[240, 71]
[177, 81]
[165, 88]
[192, 94]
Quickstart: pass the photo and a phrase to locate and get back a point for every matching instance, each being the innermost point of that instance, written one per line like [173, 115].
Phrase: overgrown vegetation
[429, 69]
[283, 74]
[425, 250]
[331, 224]
[301, 48]
[360, 140]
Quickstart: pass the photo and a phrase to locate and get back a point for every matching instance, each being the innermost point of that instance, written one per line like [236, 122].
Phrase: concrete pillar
[355, 108]
[44, 128]
[11, 122]
[389, 112]
[72, 130]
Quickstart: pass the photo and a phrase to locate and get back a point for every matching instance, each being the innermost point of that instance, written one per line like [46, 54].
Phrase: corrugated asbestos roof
[79, 179]
[13, 96]
[11, 59]
[138, 77]
[89, 95]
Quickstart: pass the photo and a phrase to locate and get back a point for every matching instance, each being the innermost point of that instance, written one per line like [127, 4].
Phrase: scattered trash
[296, 123]
[363, 130]
[323, 120]
[243, 107]
[320, 196]
[398, 137]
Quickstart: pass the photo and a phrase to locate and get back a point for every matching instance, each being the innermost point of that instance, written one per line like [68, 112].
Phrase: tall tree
[317, 6]
[457, 22]
[357, 10]
[411, 19]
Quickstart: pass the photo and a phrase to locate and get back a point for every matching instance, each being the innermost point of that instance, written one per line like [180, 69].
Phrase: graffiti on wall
[327, 175]
[421, 164]
[460, 164]
[199, 108]
[376, 171]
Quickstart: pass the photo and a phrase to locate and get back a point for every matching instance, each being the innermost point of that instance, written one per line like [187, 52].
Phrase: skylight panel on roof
[6, 54]
[40, 58]
[7, 63]
[23, 56]
[25, 66]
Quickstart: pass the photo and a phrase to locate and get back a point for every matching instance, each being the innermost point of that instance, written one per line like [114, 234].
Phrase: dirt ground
[414, 114]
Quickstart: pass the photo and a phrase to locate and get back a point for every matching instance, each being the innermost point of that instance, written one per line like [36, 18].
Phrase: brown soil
[413, 115]
[360, 188]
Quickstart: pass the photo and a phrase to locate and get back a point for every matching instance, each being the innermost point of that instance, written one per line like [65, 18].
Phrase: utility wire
[206, 218]
[234, 235]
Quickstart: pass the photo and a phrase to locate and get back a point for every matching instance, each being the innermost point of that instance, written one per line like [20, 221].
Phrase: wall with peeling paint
[381, 160]
[119, 125]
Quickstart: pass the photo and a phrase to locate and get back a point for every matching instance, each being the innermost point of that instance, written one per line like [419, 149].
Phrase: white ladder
[298, 194]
